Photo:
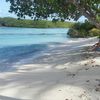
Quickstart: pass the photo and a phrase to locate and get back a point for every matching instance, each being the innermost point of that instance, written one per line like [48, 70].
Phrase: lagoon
[23, 36]
[20, 45]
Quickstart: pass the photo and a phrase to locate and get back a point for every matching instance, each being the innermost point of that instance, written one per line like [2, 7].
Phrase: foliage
[83, 30]
[83, 26]
[94, 32]
[73, 33]
[61, 9]
[12, 22]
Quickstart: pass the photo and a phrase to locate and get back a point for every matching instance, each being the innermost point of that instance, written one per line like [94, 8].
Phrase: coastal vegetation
[83, 30]
[12, 22]
[76, 30]
[61, 9]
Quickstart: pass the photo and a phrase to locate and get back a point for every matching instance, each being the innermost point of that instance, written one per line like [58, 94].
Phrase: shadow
[45, 75]
[61, 56]
[8, 98]
[26, 82]
[12, 55]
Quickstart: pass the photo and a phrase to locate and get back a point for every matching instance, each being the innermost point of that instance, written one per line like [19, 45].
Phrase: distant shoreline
[33, 27]
[25, 23]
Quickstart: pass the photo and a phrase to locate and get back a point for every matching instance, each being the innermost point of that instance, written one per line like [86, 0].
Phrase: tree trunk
[93, 21]
[91, 16]
[97, 25]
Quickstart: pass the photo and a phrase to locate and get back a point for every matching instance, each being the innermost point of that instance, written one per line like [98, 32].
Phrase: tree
[61, 9]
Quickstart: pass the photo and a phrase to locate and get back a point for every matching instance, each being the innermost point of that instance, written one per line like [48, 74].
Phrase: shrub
[73, 33]
[83, 26]
[83, 30]
[94, 32]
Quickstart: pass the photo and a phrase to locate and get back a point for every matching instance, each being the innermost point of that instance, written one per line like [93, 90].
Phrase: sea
[18, 45]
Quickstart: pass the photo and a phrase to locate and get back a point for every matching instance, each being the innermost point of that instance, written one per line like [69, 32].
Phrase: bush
[83, 26]
[73, 33]
[94, 32]
[76, 33]
[83, 30]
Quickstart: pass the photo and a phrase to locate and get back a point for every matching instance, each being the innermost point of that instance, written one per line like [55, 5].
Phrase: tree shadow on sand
[13, 55]
[48, 79]
[8, 98]
[35, 82]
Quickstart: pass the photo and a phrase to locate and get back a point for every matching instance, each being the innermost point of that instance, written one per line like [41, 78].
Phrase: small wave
[28, 34]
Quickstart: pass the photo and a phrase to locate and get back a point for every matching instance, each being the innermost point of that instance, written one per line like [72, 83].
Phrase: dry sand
[68, 72]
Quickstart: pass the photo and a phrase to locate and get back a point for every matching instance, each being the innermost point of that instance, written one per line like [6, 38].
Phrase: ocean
[17, 45]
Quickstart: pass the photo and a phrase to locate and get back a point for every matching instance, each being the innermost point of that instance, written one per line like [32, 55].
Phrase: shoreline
[65, 72]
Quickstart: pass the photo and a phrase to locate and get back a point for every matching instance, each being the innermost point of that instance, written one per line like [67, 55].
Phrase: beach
[66, 72]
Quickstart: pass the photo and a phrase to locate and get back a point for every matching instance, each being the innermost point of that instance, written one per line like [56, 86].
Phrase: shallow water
[17, 44]
[24, 36]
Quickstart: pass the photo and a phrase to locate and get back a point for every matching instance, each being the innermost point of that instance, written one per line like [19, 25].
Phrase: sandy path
[67, 72]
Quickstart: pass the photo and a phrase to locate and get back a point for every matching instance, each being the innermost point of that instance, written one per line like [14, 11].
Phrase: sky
[4, 8]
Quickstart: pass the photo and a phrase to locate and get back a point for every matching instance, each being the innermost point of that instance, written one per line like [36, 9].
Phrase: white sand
[67, 72]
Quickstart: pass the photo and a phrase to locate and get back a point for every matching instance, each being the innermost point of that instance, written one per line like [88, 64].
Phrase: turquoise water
[24, 36]
[17, 45]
